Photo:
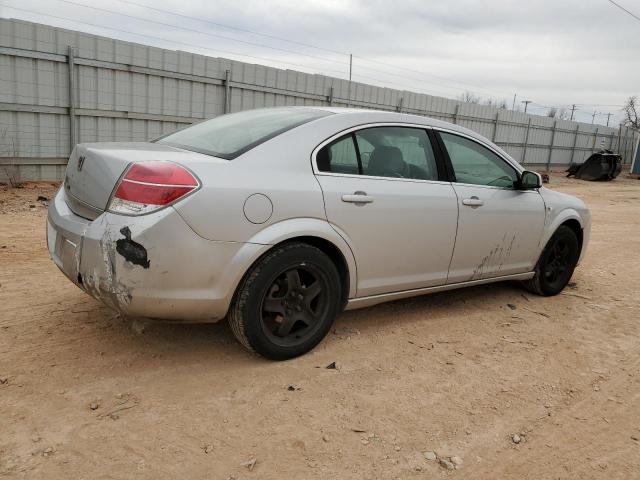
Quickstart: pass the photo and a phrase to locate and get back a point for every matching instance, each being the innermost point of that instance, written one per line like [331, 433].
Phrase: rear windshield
[229, 136]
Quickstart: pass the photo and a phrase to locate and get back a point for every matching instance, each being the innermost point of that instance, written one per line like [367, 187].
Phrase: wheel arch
[319, 234]
[570, 218]
[575, 226]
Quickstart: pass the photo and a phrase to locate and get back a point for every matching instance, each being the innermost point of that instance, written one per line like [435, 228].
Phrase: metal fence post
[526, 141]
[330, 97]
[455, 114]
[72, 99]
[575, 143]
[399, 107]
[553, 137]
[227, 91]
[619, 137]
[349, 87]
[595, 139]
[623, 149]
[495, 128]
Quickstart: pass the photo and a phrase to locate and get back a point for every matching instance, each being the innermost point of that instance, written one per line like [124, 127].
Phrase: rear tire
[287, 302]
[556, 264]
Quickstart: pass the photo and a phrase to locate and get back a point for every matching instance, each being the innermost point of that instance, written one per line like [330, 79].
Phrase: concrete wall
[61, 87]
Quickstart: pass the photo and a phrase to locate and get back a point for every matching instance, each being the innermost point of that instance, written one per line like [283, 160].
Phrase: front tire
[287, 302]
[556, 264]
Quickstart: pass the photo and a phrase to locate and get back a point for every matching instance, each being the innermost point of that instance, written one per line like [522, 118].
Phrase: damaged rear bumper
[152, 266]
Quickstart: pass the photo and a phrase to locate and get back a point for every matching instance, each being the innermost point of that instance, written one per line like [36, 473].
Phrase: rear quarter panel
[276, 169]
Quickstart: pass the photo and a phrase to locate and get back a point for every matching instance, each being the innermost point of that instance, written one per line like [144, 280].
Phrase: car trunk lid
[94, 170]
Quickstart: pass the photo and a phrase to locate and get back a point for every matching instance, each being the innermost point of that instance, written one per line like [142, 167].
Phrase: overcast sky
[553, 52]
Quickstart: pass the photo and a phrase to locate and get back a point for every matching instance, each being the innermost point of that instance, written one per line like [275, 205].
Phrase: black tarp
[604, 165]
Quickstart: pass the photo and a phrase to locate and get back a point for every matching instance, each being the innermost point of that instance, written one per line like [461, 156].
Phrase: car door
[383, 193]
[499, 225]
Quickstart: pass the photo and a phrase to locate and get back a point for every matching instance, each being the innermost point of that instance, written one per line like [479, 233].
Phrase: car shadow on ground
[204, 342]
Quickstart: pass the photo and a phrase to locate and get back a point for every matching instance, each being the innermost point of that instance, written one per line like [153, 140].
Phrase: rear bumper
[150, 266]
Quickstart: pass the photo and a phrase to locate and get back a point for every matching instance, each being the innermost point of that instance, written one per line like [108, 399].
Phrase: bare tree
[630, 109]
[494, 102]
[8, 150]
[469, 97]
[559, 113]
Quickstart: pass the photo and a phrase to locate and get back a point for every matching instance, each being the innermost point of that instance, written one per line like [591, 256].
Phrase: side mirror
[530, 180]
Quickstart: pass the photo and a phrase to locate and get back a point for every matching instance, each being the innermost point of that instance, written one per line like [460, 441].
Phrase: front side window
[393, 152]
[229, 136]
[477, 165]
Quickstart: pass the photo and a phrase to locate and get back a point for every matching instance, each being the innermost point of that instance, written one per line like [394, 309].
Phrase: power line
[484, 92]
[405, 77]
[168, 12]
[625, 10]
[187, 29]
[251, 43]
[129, 32]
[231, 27]
[600, 105]
[253, 32]
[276, 61]
[342, 74]
[368, 79]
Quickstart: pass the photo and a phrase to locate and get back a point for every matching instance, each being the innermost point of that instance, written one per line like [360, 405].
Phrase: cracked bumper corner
[151, 266]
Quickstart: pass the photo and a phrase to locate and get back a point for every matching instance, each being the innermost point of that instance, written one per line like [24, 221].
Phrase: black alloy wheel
[295, 304]
[556, 264]
[287, 302]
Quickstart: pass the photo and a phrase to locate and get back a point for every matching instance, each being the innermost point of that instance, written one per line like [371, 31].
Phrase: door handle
[473, 202]
[357, 197]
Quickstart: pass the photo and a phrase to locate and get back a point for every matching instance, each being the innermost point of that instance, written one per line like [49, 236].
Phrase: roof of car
[387, 116]
[375, 116]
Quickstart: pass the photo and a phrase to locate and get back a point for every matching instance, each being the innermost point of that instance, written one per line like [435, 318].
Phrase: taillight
[149, 186]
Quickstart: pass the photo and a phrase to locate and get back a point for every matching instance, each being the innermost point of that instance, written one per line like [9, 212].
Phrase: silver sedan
[279, 218]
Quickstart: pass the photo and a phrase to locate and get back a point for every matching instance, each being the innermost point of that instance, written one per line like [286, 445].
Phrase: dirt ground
[86, 394]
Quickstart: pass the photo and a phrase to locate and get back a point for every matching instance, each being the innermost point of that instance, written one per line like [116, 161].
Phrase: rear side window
[396, 152]
[393, 152]
[477, 165]
[339, 156]
[229, 136]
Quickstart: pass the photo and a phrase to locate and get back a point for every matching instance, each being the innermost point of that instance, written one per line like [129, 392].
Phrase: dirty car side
[185, 261]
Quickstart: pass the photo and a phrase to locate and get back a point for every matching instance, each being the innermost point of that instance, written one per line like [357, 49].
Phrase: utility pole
[593, 117]
[513, 107]
[608, 117]
[526, 104]
[573, 108]
[350, 70]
